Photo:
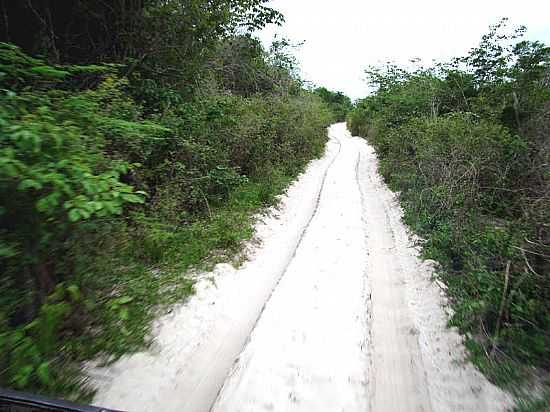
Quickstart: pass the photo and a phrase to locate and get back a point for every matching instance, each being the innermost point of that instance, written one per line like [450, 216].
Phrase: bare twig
[206, 202]
[48, 27]
[528, 264]
[502, 306]
[6, 21]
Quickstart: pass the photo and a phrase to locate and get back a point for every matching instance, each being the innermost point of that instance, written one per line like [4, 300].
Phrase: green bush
[111, 188]
[339, 104]
[466, 146]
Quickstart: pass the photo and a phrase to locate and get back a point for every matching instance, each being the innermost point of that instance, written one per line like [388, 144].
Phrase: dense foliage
[467, 145]
[116, 177]
[338, 102]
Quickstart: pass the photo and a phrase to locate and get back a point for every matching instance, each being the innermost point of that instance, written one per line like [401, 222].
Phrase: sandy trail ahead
[333, 312]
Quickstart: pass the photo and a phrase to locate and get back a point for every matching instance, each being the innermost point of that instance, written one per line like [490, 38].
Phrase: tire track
[412, 352]
[195, 346]
[307, 350]
[300, 239]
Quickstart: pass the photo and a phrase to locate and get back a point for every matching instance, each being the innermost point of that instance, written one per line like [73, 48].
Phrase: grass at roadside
[112, 189]
[130, 294]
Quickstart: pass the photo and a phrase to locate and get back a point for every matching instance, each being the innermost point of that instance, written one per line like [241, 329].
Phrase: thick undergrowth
[118, 177]
[467, 146]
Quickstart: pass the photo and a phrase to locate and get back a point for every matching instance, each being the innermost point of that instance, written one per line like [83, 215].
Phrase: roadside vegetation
[467, 146]
[136, 142]
[340, 104]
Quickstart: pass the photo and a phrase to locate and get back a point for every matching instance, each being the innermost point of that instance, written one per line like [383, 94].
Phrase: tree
[170, 39]
[338, 102]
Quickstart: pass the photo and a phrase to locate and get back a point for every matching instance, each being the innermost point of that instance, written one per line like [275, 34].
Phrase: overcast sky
[343, 37]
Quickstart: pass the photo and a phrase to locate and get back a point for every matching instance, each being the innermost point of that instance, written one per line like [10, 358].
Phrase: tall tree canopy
[172, 38]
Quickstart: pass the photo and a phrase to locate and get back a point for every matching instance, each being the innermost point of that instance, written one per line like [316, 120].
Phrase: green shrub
[466, 146]
[111, 189]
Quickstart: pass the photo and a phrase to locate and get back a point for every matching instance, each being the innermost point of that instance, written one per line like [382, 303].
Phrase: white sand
[352, 322]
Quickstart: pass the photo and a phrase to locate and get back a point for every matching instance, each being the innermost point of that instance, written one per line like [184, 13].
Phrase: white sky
[343, 37]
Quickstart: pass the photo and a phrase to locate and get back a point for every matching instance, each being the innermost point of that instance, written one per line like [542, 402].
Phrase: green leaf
[23, 376]
[49, 202]
[48, 71]
[84, 213]
[124, 300]
[43, 373]
[124, 314]
[74, 215]
[132, 198]
[74, 292]
[29, 184]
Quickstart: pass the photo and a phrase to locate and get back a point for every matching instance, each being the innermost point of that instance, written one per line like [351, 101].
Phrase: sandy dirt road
[333, 311]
